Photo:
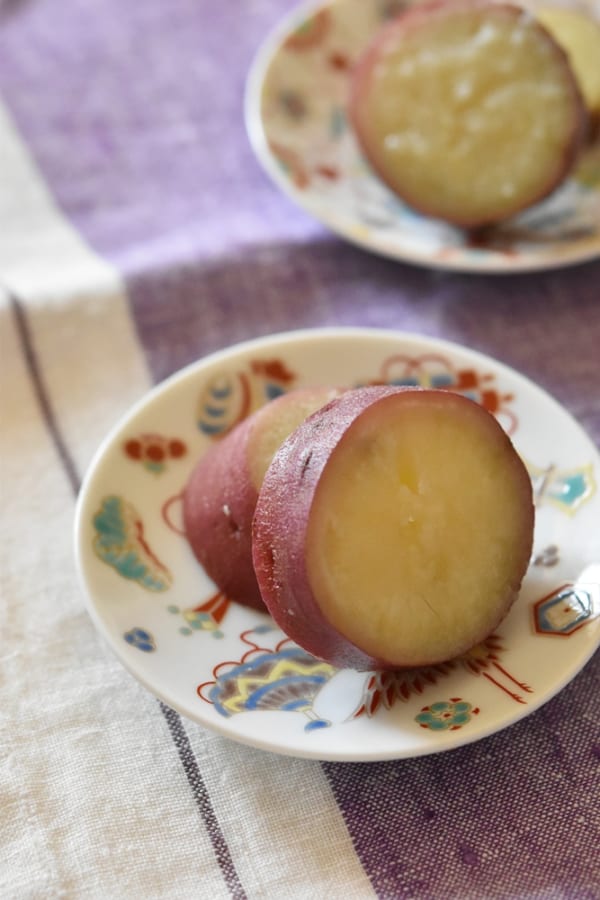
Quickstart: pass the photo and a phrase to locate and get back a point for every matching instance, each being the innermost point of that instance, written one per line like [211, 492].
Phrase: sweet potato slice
[222, 491]
[393, 528]
[470, 111]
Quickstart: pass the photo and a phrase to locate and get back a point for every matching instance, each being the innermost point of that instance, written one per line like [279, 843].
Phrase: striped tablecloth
[138, 233]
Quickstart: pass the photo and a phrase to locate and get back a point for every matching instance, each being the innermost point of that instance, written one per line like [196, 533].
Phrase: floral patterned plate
[229, 668]
[296, 118]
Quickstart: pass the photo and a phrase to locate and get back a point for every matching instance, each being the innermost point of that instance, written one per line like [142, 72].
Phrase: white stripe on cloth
[95, 791]
[95, 786]
[76, 306]
[42, 255]
[94, 801]
[281, 823]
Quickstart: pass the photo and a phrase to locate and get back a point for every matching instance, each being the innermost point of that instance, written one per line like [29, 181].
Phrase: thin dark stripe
[196, 782]
[176, 729]
[42, 394]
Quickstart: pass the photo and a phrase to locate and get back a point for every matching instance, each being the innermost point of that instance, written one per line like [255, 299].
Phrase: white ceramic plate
[296, 118]
[228, 667]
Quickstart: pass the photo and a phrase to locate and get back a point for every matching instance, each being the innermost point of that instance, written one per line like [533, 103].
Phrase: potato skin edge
[217, 515]
[220, 498]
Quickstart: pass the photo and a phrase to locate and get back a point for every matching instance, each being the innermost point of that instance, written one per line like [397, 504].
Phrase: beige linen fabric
[95, 801]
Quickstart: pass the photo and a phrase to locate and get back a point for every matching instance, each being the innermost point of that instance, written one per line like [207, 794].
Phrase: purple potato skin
[220, 498]
[283, 513]
[280, 523]
[218, 505]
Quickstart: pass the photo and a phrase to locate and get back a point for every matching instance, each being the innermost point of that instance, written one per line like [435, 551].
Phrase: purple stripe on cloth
[41, 393]
[187, 312]
[196, 782]
[173, 719]
[134, 111]
[183, 314]
[515, 815]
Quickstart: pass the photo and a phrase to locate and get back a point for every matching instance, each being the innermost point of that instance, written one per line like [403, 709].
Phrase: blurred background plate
[296, 119]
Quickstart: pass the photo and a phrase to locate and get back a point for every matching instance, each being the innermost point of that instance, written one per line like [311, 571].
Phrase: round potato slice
[470, 111]
[393, 528]
[221, 494]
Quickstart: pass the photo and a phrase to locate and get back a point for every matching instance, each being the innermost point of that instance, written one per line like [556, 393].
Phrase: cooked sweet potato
[393, 528]
[221, 494]
[469, 111]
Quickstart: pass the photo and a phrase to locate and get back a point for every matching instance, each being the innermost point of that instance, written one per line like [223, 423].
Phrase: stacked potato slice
[390, 528]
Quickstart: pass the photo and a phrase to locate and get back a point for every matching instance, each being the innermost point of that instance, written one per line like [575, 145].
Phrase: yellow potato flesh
[277, 422]
[579, 36]
[471, 115]
[412, 541]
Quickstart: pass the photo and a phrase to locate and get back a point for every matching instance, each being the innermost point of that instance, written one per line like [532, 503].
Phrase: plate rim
[299, 336]
[494, 264]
